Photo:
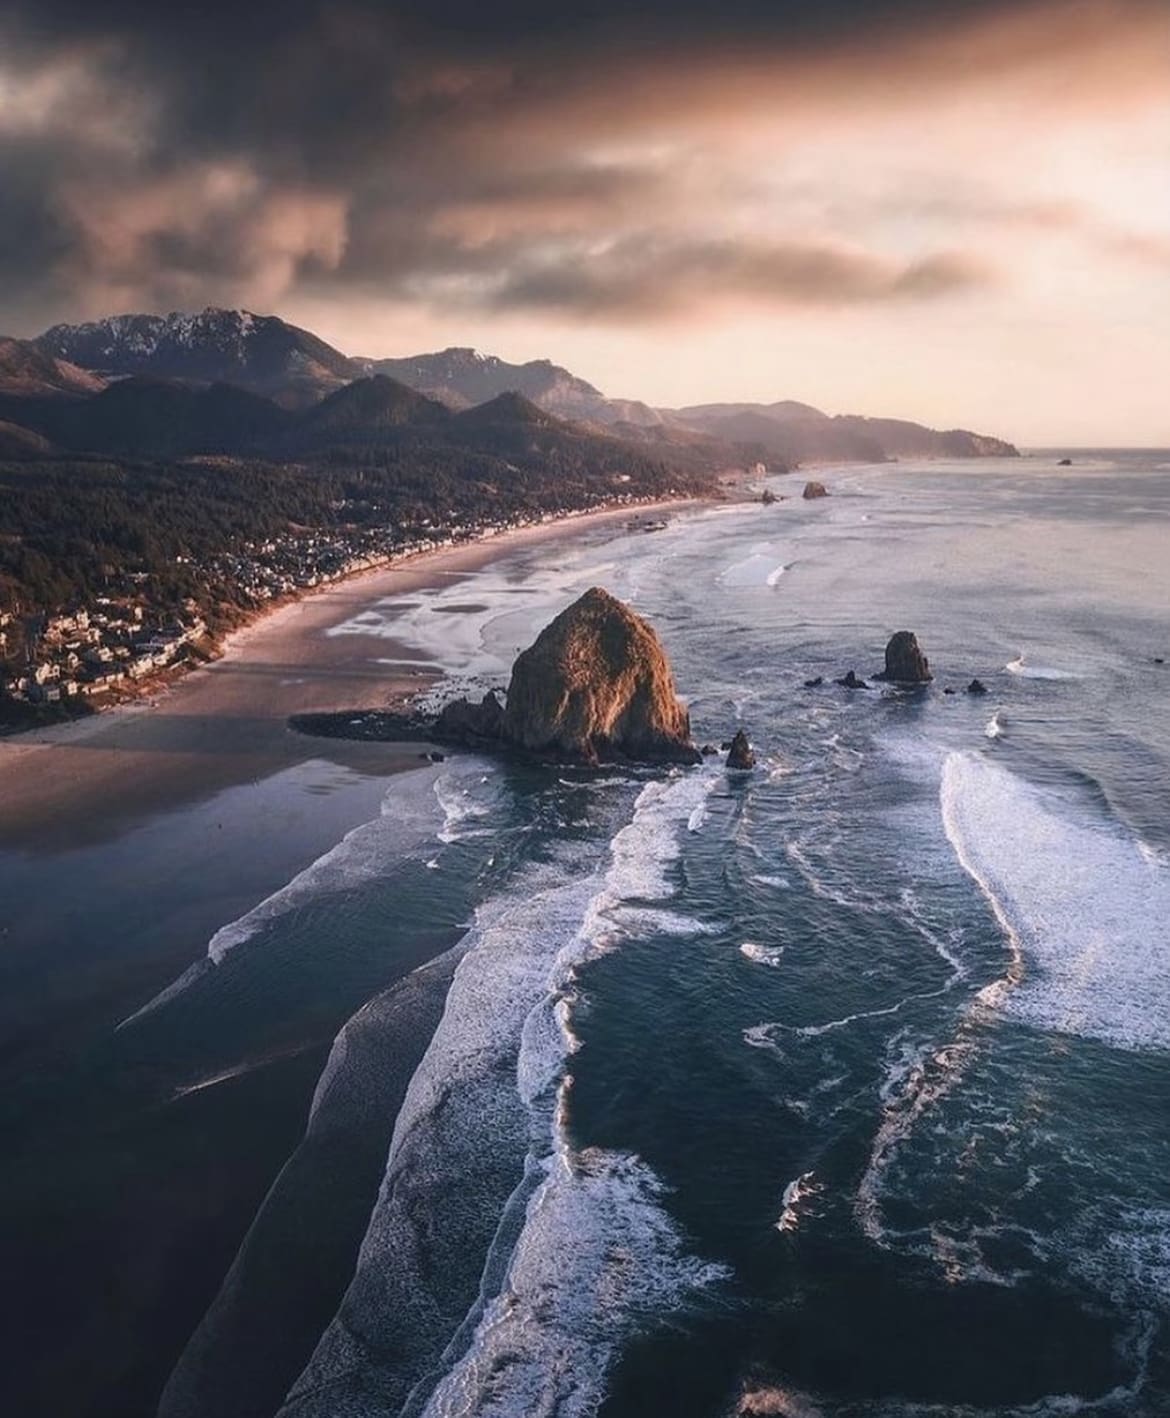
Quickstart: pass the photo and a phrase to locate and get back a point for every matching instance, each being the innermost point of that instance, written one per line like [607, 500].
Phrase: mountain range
[228, 380]
[258, 352]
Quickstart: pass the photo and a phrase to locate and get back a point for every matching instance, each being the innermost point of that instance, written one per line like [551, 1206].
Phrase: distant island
[164, 477]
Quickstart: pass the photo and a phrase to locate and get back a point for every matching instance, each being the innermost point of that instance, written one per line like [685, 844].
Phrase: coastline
[226, 722]
[126, 840]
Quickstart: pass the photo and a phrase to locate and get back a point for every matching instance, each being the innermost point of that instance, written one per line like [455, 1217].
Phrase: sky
[956, 211]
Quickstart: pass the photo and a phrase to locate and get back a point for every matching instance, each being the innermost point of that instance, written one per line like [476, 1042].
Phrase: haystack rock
[596, 684]
[905, 662]
[814, 489]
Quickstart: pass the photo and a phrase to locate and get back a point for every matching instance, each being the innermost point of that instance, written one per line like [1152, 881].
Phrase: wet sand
[228, 723]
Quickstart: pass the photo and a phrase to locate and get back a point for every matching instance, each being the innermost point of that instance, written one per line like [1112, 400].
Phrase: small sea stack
[814, 490]
[740, 755]
[976, 687]
[905, 662]
[849, 680]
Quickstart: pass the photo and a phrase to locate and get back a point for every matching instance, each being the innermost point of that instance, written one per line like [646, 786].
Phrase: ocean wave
[597, 1259]
[481, 1164]
[462, 1132]
[918, 1076]
[1020, 667]
[995, 728]
[904, 908]
[1076, 899]
[406, 824]
[762, 954]
[1128, 1257]
[758, 569]
[794, 1201]
[457, 796]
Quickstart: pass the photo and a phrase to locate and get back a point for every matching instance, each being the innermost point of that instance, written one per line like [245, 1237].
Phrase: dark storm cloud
[465, 154]
[635, 281]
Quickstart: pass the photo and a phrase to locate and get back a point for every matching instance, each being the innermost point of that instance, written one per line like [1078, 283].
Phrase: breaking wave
[1019, 666]
[406, 824]
[762, 954]
[579, 1250]
[1077, 898]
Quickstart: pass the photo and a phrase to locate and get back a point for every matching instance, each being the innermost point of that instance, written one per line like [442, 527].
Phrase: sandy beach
[227, 723]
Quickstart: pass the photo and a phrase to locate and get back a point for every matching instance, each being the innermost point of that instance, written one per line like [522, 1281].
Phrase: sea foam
[579, 1250]
[762, 954]
[1081, 904]
[1019, 666]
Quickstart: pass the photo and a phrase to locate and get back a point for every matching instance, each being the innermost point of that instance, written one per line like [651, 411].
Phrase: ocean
[836, 1089]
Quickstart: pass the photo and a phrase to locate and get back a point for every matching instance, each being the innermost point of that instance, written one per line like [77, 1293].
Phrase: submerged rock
[814, 683]
[596, 684]
[905, 662]
[740, 754]
[814, 489]
[850, 681]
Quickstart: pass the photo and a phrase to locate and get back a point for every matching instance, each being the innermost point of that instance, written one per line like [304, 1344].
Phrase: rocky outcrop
[976, 687]
[466, 722]
[740, 754]
[849, 680]
[814, 489]
[905, 662]
[596, 684]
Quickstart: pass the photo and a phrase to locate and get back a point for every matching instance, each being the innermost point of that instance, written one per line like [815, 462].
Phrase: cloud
[636, 281]
[161, 238]
[593, 160]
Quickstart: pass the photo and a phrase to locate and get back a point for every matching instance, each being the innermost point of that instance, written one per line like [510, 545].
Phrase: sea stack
[849, 680]
[740, 754]
[596, 684]
[905, 662]
[814, 489]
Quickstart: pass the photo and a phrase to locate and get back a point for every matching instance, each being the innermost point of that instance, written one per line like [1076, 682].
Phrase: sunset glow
[966, 221]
